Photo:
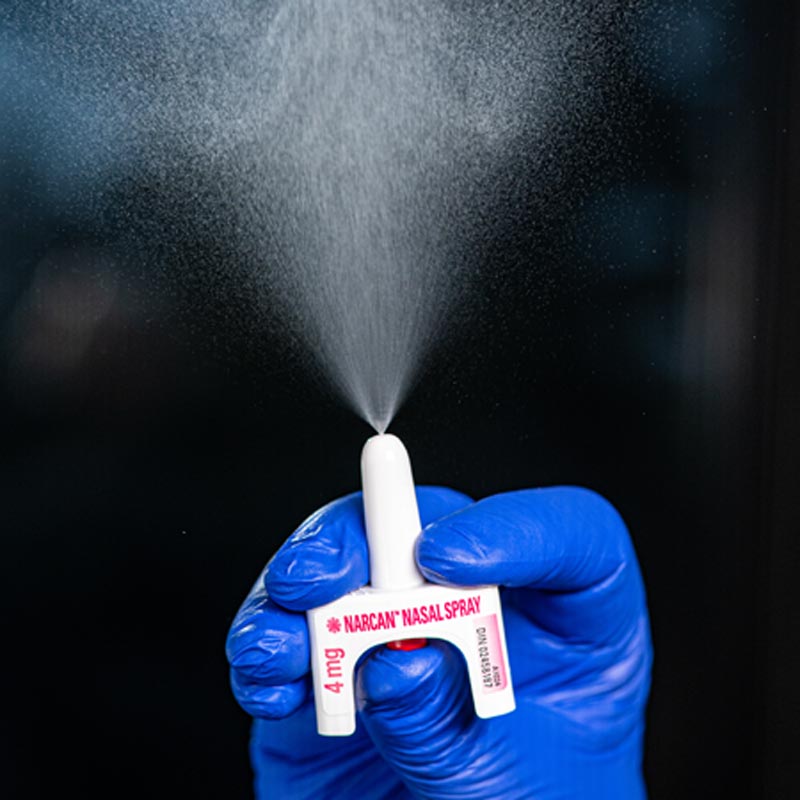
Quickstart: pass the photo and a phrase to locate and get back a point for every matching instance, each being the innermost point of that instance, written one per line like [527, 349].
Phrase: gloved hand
[579, 649]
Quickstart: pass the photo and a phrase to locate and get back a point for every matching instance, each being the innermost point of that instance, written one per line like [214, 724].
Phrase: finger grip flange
[470, 619]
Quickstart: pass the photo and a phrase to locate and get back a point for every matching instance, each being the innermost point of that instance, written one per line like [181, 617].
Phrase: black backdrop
[152, 460]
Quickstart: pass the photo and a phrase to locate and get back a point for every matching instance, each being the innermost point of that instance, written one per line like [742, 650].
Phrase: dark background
[153, 457]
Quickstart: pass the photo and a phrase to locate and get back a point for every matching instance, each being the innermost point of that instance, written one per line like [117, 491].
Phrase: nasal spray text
[400, 605]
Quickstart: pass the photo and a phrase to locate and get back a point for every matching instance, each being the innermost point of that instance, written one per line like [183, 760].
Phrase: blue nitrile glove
[578, 640]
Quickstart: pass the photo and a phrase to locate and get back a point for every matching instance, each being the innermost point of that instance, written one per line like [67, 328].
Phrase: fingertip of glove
[325, 558]
[270, 652]
[301, 581]
[395, 677]
[447, 554]
[268, 702]
[294, 582]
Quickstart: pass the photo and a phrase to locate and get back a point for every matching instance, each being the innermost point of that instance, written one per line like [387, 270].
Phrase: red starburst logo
[333, 625]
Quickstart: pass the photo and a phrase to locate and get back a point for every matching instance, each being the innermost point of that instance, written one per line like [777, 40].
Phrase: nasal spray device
[400, 608]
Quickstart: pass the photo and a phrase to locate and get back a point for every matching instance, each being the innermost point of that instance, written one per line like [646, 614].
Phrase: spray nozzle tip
[382, 447]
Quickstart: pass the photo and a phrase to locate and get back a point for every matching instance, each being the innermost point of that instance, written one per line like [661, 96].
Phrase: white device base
[470, 619]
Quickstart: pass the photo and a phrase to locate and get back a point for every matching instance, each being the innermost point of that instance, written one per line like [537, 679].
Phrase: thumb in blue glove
[579, 648]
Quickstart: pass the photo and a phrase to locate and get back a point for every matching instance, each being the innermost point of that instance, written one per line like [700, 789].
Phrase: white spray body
[401, 605]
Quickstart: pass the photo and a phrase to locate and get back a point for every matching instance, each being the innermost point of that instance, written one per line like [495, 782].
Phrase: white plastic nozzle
[391, 513]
